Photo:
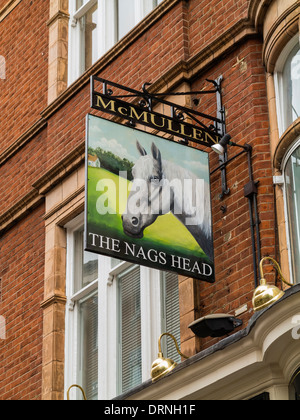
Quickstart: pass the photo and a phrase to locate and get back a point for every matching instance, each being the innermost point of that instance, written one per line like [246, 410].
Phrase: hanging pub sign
[147, 200]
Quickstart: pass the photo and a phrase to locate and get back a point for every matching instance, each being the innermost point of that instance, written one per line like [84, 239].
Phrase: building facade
[71, 317]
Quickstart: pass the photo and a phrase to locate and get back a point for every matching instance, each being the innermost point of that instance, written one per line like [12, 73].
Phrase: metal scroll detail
[137, 107]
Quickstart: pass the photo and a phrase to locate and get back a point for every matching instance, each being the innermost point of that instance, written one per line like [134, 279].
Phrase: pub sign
[147, 200]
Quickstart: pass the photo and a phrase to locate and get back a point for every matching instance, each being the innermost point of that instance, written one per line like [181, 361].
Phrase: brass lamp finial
[162, 365]
[265, 294]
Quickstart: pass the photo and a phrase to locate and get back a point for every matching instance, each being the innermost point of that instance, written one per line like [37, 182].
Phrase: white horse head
[145, 201]
[160, 187]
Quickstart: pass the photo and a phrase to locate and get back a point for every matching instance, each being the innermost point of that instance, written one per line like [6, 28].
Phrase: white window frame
[150, 324]
[107, 14]
[151, 318]
[279, 83]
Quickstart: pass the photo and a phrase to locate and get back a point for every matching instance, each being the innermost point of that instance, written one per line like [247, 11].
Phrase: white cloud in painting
[112, 145]
[97, 138]
[197, 167]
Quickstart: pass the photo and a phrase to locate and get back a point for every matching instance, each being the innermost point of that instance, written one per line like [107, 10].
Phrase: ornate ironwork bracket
[135, 106]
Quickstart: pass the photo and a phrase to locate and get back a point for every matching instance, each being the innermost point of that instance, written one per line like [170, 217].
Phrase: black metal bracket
[250, 192]
[183, 118]
[222, 128]
[219, 122]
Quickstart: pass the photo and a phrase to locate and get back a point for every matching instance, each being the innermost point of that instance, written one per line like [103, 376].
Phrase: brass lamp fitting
[266, 294]
[162, 365]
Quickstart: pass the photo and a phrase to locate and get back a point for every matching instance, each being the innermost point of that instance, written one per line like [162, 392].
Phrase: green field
[167, 233]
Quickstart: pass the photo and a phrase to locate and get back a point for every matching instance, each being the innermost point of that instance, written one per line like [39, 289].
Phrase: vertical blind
[130, 354]
[170, 311]
[88, 308]
[129, 327]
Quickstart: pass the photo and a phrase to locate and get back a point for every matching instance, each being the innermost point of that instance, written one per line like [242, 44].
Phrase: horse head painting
[161, 186]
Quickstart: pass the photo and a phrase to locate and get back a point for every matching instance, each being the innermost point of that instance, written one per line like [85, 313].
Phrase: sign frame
[133, 250]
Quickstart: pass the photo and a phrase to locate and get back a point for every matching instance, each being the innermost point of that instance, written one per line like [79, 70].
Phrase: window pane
[149, 5]
[89, 39]
[114, 262]
[86, 264]
[295, 88]
[291, 87]
[130, 355]
[292, 182]
[79, 3]
[170, 314]
[126, 17]
[90, 268]
[88, 312]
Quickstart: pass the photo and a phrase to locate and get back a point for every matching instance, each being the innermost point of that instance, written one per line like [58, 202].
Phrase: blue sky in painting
[121, 140]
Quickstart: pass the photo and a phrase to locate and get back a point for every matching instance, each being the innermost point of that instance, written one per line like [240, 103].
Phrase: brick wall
[244, 98]
[179, 37]
[22, 170]
[210, 19]
[24, 45]
[22, 285]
